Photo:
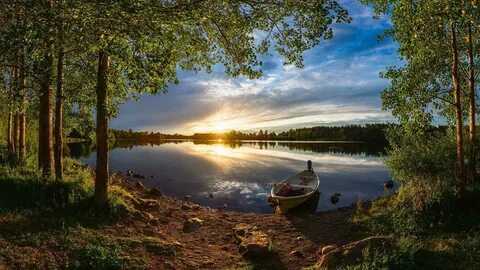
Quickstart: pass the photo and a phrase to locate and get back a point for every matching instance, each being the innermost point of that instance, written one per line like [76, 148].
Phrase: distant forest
[363, 133]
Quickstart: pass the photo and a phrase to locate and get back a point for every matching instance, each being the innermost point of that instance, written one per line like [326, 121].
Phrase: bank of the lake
[150, 232]
[145, 229]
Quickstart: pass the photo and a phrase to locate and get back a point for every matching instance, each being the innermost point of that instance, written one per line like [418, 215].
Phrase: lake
[240, 174]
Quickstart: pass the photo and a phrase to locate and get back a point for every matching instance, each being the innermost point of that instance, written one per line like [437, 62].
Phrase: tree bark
[457, 91]
[22, 115]
[21, 139]
[59, 115]
[11, 146]
[45, 126]
[102, 175]
[472, 105]
[45, 151]
[16, 134]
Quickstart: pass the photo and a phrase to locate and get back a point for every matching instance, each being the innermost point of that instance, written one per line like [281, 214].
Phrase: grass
[40, 216]
[425, 240]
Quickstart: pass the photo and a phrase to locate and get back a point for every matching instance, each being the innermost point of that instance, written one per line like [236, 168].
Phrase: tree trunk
[472, 105]
[45, 145]
[457, 91]
[101, 181]
[21, 139]
[23, 120]
[16, 134]
[59, 118]
[11, 146]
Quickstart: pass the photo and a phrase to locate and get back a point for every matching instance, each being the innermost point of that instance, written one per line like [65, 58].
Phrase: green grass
[40, 214]
[443, 236]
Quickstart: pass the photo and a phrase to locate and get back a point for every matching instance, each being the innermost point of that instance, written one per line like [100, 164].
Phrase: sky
[338, 85]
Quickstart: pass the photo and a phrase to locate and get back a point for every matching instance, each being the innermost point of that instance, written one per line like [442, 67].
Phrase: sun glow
[219, 123]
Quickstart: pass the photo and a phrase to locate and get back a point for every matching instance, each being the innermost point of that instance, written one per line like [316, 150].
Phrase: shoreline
[296, 239]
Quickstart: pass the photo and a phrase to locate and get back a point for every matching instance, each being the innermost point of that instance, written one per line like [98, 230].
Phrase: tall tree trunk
[472, 105]
[23, 120]
[16, 134]
[45, 151]
[11, 146]
[59, 116]
[22, 138]
[457, 92]
[101, 181]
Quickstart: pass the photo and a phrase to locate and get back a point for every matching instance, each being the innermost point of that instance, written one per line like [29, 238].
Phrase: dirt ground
[157, 229]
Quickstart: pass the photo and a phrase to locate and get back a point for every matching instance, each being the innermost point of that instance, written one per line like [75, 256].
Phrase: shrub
[424, 165]
[22, 188]
[97, 256]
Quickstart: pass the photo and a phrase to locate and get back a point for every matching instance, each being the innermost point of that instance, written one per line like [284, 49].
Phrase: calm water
[240, 175]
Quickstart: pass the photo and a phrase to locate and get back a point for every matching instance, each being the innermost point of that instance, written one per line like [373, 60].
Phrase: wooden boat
[300, 188]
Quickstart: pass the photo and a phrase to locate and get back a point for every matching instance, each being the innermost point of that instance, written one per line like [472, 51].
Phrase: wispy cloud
[339, 85]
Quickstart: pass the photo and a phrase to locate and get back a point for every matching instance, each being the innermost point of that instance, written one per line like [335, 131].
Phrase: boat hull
[284, 206]
[285, 203]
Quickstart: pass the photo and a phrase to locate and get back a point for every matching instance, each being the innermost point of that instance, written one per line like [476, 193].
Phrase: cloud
[340, 84]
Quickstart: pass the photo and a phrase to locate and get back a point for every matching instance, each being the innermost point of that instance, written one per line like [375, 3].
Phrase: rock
[240, 230]
[351, 253]
[186, 207]
[169, 265]
[139, 185]
[139, 176]
[251, 241]
[296, 253]
[255, 244]
[154, 222]
[147, 216]
[155, 192]
[159, 247]
[335, 198]
[327, 249]
[192, 224]
[196, 207]
[148, 203]
[388, 184]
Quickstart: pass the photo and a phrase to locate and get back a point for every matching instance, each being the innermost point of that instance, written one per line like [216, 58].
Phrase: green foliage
[426, 160]
[23, 188]
[401, 259]
[366, 133]
[96, 256]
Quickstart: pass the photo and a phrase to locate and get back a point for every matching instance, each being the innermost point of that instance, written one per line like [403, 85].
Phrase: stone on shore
[328, 248]
[351, 253]
[192, 224]
[251, 241]
[155, 192]
[160, 247]
[139, 185]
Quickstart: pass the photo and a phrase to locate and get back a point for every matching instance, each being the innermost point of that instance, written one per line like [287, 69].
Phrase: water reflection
[239, 175]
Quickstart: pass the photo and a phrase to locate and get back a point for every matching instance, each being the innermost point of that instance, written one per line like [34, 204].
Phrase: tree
[59, 99]
[45, 69]
[148, 41]
[430, 84]
[457, 93]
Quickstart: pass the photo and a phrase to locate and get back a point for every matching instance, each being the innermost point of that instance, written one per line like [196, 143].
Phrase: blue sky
[339, 85]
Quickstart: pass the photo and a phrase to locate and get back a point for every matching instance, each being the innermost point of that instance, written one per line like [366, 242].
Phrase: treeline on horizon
[369, 133]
